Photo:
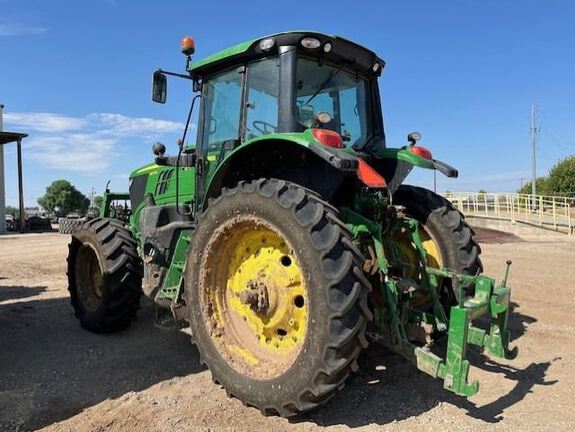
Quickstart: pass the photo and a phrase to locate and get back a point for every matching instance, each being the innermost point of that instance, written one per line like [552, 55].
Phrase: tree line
[62, 198]
[560, 180]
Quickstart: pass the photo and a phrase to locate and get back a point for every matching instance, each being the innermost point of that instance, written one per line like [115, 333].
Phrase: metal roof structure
[7, 138]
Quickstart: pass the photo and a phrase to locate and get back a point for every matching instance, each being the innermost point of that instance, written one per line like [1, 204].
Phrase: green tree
[98, 201]
[62, 197]
[541, 186]
[561, 178]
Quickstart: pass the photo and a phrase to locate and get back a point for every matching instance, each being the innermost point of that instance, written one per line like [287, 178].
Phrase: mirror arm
[190, 77]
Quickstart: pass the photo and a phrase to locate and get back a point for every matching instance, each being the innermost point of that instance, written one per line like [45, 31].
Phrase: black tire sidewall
[118, 259]
[87, 237]
[288, 386]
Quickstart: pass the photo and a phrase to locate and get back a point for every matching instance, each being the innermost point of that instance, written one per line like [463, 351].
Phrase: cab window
[222, 100]
[339, 93]
[262, 98]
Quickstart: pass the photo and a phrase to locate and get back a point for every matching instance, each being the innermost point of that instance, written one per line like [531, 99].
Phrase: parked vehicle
[285, 238]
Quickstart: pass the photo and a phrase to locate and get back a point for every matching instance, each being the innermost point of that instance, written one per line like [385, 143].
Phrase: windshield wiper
[325, 83]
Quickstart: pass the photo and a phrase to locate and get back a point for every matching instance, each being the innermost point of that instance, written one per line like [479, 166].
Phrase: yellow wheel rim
[409, 251]
[89, 277]
[411, 258]
[255, 298]
[433, 256]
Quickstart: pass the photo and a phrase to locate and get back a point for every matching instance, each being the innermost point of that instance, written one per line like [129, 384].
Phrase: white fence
[551, 212]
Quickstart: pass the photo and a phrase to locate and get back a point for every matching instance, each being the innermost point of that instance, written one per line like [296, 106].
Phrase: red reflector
[328, 137]
[420, 151]
[369, 176]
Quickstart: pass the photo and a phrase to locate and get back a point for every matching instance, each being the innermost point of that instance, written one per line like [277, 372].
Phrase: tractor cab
[300, 98]
[288, 83]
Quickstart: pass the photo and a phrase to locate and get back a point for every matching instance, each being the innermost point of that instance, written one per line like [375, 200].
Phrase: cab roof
[250, 50]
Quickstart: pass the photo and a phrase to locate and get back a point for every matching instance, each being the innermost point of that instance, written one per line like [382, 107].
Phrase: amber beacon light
[187, 45]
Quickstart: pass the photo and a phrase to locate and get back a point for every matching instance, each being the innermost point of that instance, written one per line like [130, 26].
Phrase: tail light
[369, 176]
[420, 151]
[328, 137]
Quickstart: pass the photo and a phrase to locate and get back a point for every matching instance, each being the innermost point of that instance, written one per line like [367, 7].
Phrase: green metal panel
[172, 283]
[403, 154]
[304, 139]
[223, 54]
[163, 188]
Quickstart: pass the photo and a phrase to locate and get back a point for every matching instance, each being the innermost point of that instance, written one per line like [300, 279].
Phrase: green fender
[344, 159]
[403, 154]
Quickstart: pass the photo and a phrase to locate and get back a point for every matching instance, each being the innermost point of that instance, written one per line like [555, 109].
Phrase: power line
[554, 135]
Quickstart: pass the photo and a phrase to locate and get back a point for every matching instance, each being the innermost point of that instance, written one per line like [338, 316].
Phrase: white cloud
[72, 151]
[44, 122]
[83, 144]
[142, 126]
[17, 29]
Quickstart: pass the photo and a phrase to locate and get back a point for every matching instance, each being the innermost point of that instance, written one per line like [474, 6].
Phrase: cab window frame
[249, 70]
[372, 124]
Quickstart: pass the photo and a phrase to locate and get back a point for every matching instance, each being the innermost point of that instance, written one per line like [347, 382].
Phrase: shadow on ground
[17, 292]
[51, 369]
[387, 388]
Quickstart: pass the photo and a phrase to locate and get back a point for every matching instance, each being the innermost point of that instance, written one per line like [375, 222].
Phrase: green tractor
[285, 238]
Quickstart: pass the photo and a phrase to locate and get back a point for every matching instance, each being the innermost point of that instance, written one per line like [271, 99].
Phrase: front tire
[68, 226]
[276, 296]
[104, 275]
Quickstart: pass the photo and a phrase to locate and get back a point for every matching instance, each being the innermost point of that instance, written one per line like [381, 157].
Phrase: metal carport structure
[7, 138]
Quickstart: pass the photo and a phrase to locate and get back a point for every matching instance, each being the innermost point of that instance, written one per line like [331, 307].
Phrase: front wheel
[276, 296]
[104, 275]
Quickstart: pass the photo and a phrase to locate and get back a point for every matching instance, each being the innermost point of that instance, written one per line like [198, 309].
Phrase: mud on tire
[337, 295]
[104, 275]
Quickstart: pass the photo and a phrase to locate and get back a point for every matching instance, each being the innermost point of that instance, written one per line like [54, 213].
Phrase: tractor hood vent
[164, 181]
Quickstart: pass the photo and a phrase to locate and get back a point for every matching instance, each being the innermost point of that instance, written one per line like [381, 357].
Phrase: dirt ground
[55, 376]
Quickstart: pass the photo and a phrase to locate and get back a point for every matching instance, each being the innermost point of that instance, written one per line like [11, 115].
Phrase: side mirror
[159, 88]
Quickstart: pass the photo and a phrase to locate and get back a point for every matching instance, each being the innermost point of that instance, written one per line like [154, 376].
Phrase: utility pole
[92, 197]
[435, 181]
[533, 156]
[2, 187]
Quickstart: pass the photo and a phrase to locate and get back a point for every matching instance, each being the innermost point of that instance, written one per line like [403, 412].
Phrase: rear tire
[104, 275]
[446, 226]
[333, 294]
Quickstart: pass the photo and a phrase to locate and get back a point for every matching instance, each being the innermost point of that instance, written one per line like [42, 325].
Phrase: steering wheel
[264, 127]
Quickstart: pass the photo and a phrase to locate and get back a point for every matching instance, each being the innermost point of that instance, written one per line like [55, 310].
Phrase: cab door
[219, 130]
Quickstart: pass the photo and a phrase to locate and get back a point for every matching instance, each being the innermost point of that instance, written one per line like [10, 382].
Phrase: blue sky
[76, 76]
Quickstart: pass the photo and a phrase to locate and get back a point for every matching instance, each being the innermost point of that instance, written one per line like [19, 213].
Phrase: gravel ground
[54, 376]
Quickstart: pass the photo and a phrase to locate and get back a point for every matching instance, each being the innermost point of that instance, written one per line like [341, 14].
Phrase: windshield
[323, 88]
